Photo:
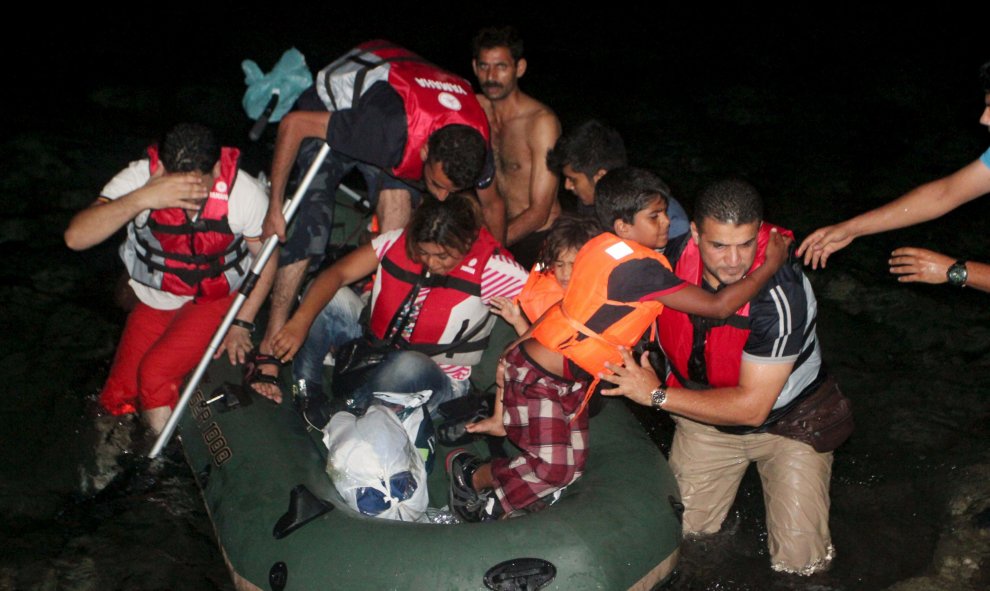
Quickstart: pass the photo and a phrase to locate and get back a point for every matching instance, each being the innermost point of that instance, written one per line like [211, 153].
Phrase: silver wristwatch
[658, 396]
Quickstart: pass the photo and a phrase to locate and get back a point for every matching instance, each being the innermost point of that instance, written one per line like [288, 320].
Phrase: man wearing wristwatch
[924, 203]
[730, 382]
[193, 221]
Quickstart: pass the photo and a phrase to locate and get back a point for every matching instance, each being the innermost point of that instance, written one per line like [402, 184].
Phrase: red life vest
[199, 258]
[433, 97]
[540, 292]
[453, 323]
[724, 342]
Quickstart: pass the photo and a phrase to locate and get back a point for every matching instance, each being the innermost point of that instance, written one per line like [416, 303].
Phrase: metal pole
[288, 210]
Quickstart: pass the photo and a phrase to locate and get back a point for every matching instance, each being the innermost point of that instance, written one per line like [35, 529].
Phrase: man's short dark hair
[985, 77]
[461, 150]
[730, 201]
[624, 192]
[491, 37]
[567, 232]
[189, 147]
[588, 148]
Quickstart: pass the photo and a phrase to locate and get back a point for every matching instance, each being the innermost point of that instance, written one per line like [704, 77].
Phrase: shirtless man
[523, 131]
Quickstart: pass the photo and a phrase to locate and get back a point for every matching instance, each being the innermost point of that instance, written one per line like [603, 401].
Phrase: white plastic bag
[374, 465]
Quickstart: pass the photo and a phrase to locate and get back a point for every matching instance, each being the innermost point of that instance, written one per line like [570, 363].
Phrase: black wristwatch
[957, 274]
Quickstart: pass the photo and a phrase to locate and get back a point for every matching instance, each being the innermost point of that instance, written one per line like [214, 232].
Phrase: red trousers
[156, 351]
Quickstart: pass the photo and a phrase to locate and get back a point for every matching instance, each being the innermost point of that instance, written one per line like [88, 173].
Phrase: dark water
[827, 114]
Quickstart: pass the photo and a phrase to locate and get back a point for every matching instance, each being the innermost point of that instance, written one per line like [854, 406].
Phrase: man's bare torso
[517, 139]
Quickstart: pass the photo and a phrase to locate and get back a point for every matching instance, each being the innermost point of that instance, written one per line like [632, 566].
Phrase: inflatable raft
[282, 525]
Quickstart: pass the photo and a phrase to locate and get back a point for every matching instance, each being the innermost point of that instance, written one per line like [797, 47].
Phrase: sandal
[468, 504]
[253, 374]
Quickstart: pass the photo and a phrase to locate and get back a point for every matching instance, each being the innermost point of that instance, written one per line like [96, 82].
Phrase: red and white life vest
[200, 258]
[433, 97]
[453, 324]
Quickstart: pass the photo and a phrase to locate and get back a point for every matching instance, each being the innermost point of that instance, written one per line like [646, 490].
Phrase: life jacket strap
[189, 227]
[580, 327]
[207, 266]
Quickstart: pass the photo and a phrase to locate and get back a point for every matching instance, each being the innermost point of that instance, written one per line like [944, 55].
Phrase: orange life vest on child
[563, 328]
[540, 292]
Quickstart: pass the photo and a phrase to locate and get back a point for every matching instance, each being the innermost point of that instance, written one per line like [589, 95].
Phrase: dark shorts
[310, 230]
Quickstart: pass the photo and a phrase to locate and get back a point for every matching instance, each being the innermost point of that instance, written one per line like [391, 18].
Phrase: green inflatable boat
[282, 525]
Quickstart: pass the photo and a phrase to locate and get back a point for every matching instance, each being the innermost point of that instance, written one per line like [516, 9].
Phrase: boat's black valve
[520, 574]
[278, 575]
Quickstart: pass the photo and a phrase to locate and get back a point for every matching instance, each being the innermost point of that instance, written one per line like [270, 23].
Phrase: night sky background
[794, 100]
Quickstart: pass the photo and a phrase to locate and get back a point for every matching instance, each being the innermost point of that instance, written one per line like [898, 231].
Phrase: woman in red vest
[434, 281]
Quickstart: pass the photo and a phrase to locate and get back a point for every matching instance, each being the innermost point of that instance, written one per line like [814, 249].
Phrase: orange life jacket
[563, 328]
[540, 292]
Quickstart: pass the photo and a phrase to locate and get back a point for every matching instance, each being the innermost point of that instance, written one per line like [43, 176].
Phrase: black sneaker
[466, 503]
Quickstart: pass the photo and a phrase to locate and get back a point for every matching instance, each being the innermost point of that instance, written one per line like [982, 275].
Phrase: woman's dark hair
[567, 232]
[453, 223]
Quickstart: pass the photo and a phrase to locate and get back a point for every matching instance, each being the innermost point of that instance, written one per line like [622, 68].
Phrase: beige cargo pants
[709, 465]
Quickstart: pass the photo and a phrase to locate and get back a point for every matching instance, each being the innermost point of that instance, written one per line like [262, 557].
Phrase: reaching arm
[749, 403]
[511, 312]
[922, 204]
[542, 182]
[692, 299]
[292, 130]
[360, 263]
[102, 219]
[926, 266]
[237, 343]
